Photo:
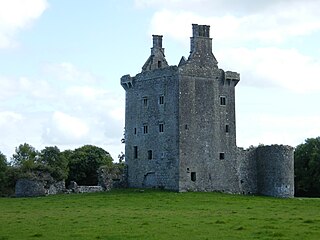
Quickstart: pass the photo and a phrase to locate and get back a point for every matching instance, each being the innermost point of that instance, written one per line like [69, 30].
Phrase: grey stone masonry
[180, 128]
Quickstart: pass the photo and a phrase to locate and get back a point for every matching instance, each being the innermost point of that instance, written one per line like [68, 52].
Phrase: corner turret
[157, 58]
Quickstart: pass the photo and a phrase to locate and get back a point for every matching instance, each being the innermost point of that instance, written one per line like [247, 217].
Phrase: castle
[180, 128]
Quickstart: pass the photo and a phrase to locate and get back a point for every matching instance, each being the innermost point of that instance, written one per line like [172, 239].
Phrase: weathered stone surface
[181, 131]
[29, 188]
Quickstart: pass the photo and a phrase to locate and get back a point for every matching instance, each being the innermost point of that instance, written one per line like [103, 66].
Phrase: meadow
[155, 214]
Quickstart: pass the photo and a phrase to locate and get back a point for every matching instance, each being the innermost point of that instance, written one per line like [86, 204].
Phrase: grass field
[152, 214]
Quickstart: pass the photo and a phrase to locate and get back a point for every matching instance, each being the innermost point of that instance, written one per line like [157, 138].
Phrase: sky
[61, 64]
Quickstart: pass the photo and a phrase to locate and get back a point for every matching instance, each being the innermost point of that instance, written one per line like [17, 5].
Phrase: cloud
[274, 25]
[67, 107]
[16, 15]
[66, 129]
[276, 129]
[273, 67]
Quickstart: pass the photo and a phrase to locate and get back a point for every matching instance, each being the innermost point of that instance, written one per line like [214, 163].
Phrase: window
[159, 64]
[145, 101]
[227, 128]
[150, 154]
[161, 100]
[161, 127]
[222, 100]
[145, 129]
[221, 156]
[186, 127]
[135, 131]
[193, 176]
[135, 152]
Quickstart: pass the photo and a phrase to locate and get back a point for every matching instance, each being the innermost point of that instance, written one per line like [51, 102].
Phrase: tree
[3, 170]
[54, 162]
[24, 157]
[84, 163]
[307, 168]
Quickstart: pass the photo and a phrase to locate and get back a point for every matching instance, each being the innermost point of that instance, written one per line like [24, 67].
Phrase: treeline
[78, 165]
[307, 168]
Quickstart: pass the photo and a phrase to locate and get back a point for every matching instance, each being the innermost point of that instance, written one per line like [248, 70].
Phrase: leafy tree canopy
[54, 161]
[24, 157]
[84, 163]
[307, 168]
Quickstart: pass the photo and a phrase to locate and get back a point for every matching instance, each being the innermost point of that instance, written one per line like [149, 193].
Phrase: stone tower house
[181, 132]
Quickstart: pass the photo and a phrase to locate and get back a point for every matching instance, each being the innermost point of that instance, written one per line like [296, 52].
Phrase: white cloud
[66, 128]
[285, 68]
[276, 129]
[16, 15]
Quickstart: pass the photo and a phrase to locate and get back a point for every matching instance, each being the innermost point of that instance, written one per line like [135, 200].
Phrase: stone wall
[275, 170]
[267, 170]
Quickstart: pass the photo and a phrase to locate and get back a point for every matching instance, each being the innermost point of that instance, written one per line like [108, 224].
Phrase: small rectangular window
[145, 101]
[227, 128]
[135, 152]
[150, 154]
[161, 100]
[159, 64]
[161, 127]
[135, 131]
[222, 100]
[221, 156]
[145, 129]
[193, 176]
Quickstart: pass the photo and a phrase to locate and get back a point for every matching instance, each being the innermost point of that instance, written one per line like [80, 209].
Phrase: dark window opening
[227, 128]
[159, 64]
[145, 101]
[186, 127]
[222, 100]
[149, 154]
[135, 131]
[193, 176]
[135, 152]
[161, 100]
[145, 129]
[221, 155]
[161, 127]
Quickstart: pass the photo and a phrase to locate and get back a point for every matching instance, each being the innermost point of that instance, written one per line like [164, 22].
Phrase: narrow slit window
[145, 101]
[145, 129]
[135, 131]
[221, 155]
[161, 127]
[227, 128]
[159, 64]
[150, 154]
[161, 100]
[135, 152]
[223, 100]
[193, 176]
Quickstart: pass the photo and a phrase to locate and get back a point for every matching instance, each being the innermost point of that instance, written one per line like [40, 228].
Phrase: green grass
[131, 214]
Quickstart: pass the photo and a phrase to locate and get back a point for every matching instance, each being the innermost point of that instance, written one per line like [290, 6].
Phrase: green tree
[24, 157]
[84, 163]
[3, 170]
[52, 160]
[307, 168]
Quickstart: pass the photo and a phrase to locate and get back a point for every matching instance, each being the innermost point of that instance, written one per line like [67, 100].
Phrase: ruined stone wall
[267, 170]
[275, 170]
[247, 171]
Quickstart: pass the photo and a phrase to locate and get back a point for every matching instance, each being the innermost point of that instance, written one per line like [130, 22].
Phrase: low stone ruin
[42, 184]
